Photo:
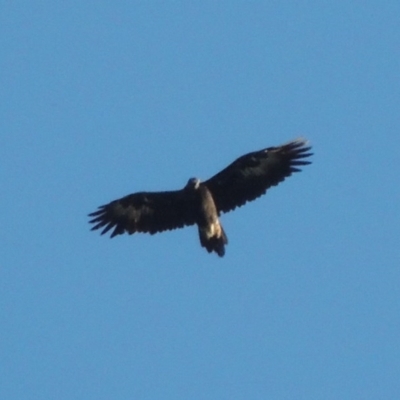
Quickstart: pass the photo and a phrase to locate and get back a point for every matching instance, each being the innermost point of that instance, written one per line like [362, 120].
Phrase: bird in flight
[202, 203]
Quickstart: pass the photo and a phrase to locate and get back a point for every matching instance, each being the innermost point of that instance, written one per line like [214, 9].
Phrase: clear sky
[102, 99]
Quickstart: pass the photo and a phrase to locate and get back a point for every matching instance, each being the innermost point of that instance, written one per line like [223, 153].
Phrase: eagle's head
[193, 183]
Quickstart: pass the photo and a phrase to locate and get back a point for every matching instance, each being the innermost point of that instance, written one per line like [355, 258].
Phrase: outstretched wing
[149, 212]
[251, 175]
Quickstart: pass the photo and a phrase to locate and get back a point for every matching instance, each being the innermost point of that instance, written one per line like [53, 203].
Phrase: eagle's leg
[213, 238]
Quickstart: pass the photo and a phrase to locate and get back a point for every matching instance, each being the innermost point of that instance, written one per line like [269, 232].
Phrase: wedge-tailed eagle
[202, 203]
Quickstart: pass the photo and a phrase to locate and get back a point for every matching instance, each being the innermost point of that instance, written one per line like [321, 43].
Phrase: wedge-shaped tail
[214, 240]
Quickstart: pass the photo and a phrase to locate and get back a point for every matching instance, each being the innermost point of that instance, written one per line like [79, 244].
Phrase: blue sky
[101, 99]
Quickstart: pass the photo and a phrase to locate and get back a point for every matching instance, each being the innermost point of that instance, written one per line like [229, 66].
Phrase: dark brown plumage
[201, 203]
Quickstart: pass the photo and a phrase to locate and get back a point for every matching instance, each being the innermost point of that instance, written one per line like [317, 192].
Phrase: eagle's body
[201, 203]
[211, 233]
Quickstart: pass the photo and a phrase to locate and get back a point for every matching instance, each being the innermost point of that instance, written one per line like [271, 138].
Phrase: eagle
[202, 203]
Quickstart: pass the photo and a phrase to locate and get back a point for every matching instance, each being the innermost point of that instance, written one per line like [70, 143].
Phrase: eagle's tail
[214, 238]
